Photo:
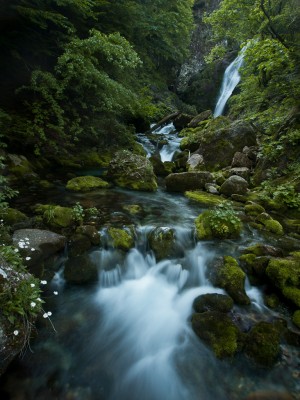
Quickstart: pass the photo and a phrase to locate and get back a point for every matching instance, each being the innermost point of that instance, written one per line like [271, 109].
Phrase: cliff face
[198, 84]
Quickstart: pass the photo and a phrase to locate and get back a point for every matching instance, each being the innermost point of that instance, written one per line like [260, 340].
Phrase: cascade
[230, 81]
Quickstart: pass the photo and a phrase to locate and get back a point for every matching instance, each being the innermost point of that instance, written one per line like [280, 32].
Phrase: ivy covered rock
[218, 331]
[86, 184]
[132, 171]
[221, 223]
[263, 343]
[284, 273]
[162, 242]
[181, 182]
[12, 216]
[121, 238]
[227, 274]
[213, 302]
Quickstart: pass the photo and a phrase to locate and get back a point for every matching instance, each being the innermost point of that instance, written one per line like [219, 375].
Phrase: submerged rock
[121, 238]
[162, 242]
[80, 270]
[213, 302]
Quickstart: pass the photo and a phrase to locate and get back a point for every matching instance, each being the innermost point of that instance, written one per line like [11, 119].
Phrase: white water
[230, 81]
[144, 323]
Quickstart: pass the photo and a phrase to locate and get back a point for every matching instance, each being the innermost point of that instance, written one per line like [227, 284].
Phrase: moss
[253, 209]
[86, 183]
[45, 184]
[162, 241]
[296, 318]
[247, 262]
[292, 294]
[213, 302]
[272, 301]
[121, 238]
[133, 209]
[204, 198]
[58, 217]
[221, 223]
[218, 331]
[263, 343]
[12, 216]
[274, 226]
[94, 159]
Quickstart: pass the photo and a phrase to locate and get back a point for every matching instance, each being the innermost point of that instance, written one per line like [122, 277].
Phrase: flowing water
[128, 336]
[230, 81]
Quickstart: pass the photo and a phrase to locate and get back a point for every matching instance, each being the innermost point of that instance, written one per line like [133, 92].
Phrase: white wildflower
[45, 315]
[32, 304]
[32, 285]
[49, 313]
[43, 282]
[16, 333]
[32, 249]
[55, 292]
[28, 258]
[16, 250]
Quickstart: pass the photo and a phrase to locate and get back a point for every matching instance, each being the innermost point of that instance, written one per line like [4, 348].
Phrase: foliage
[284, 194]
[223, 218]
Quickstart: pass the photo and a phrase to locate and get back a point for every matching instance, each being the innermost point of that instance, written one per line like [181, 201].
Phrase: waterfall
[230, 81]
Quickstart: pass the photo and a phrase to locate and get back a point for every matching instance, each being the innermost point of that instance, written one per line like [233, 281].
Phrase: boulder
[80, 270]
[269, 224]
[90, 232]
[213, 302]
[183, 181]
[195, 162]
[207, 199]
[20, 168]
[120, 238]
[203, 116]
[38, 248]
[227, 274]
[243, 172]
[12, 216]
[58, 217]
[86, 184]
[182, 121]
[218, 331]
[132, 171]
[234, 185]
[78, 244]
[162, 242]
[263, 343]
[241, 160]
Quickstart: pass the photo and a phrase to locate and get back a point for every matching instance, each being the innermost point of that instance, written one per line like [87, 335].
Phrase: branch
[271, 28]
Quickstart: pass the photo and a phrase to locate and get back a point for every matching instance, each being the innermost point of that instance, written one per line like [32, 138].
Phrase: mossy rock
[253, 209]
[59, 217]
[227, 274]
[20, 168]
[261, 249]
[253, 265]
[86, 184]
[80, 270]
[78, 244]
[296, 318]
[162, 242]
[94, 158]
[183, 181]
[263, 343]
[272, 301]
[285, 275]
[90, 232]
[269, 224]
[292, 225]
[12, 216]
[218, 331]
[207, 199]
[213, 302]
[132, 171]
[133, 209]
[209, 225]
[121, 238]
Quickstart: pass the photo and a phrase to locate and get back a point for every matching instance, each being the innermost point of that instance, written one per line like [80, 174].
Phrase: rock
[226, 273]
[12, 216]
[253, 209]
[20, 168]
[213, 302]
[220, 223]
[251, 152]
[161, 168]
[243, 172]
[91, 233]
[78, 244]
[132, 171]
[121, 238]
[234, 185]
[86, 184]
[183, 181]
[162, 241]
[212, 188]
[218, 331]
[133, 209]
[207, 199]
[195, 163]
[80, 270]
[270, 224]
[205, 115]
[269, 395]
[182, 121]
[241, 160]
[263, 343]
[296, 318]
[284, 273]
[262, 249]
[46, 245]
[58, 217]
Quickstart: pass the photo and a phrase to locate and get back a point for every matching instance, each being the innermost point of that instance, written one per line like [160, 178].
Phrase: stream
[129, 336]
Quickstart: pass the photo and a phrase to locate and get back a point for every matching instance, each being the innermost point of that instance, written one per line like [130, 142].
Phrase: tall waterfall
[230, 81]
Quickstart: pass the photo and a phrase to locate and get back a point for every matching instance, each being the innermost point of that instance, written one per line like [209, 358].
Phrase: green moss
[274, 226]
[296, 318]
[121, 238]
[253, 209]
[218, 331]
[272, 301]
[94, 159]
[162, 241]
[86, 183]
[263, 343]
[247, 262]
[292, 294]
[204, 198]
[133, 208]
[213, 302]
[12, 216]
[58, 217]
